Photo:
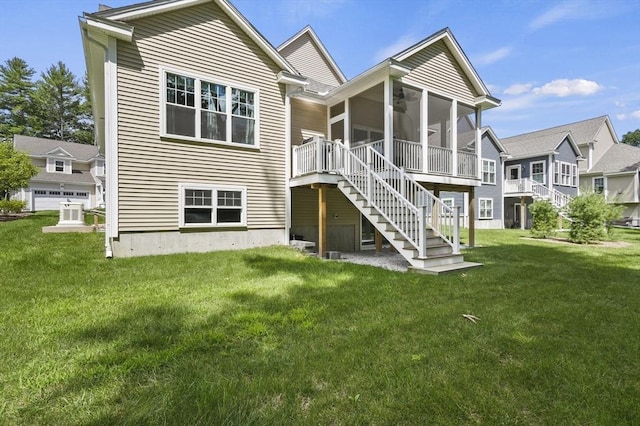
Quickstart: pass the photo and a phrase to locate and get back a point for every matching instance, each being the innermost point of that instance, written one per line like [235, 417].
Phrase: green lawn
[269, 336]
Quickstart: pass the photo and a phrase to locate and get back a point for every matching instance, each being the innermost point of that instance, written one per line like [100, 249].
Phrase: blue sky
[551, 62]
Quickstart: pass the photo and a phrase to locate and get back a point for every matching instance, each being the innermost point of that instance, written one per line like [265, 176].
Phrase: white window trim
[449, 202]
[210, 187]
[544, 171]
[197, 102]
[489, 200]
[604, 184]
[51, 165]
[556, 172]
[575, 175]
[494, 171]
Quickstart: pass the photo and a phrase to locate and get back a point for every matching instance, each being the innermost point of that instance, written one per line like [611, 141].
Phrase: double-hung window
[202, 108]
[486, 208]
[565, 174]
[489, 172]
[538, 172]
[556, 172]
[204, 205]
[599, 185]
[574, 175]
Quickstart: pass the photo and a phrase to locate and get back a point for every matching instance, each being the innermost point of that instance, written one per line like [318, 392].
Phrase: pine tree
[16, 99]
[59, 104]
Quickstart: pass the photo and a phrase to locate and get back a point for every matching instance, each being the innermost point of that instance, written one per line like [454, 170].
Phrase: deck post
[319, 147]
[423, 230]
[322, 219]
[378, 240]
[523, 212]
[472, 217]
[456, 230]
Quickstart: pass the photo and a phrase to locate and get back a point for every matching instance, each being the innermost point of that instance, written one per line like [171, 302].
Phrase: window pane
[197, 215]
[213, 126]
[229, 215]
[242, 130]
[197, 197]
[242, 103]
[213, 97]
[181, 121]
[230, 198]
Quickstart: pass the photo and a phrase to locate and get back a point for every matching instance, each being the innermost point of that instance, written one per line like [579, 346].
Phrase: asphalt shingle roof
[38, 147]
[78, 176]
[618, 158]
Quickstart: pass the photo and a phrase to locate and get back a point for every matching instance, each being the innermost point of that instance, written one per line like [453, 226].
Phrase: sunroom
[425, 133]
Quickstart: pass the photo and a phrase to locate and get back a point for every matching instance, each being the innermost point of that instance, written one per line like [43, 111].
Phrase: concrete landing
[445, 269]
[68, 228]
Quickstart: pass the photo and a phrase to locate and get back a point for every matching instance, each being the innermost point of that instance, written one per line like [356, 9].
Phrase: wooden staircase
[418, 225]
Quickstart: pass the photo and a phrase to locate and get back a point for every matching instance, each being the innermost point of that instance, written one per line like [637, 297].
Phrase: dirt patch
[560, 240]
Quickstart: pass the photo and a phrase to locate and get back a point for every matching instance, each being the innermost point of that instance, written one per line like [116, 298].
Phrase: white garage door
[45, 199]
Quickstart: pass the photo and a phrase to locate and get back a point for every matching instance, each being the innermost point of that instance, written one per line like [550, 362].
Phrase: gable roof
[583, 131]
[619, 158]
[393, 66]
[308, 32]
[124, 14]
[40, 147]
[536, 143]
[488, 131]
[445, 35]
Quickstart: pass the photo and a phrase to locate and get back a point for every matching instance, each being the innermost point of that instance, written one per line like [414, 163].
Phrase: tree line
[55, 106]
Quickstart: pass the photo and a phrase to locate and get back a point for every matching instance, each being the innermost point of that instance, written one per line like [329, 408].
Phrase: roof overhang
[118, 30]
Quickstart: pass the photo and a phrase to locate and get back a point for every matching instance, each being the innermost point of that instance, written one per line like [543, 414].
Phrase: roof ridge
[560, 126]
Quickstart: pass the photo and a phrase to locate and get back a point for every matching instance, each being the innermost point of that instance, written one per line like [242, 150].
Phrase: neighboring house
[617, 175]
[541, 165]
[214, 139]
[488, 197]
[67, 172]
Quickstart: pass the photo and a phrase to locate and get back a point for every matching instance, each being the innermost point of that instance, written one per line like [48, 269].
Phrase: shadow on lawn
[302, 356]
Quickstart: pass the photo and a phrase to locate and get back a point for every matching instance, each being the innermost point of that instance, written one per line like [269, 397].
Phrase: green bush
[12, 206]
[545, 219]
[592, 217]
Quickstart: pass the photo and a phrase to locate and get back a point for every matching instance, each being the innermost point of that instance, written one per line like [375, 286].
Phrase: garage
[47, 199]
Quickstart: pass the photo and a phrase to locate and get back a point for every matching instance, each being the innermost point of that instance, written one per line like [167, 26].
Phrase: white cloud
[620, 104]
[518, 89]
[555, 14]
[397, 46]
[564, 87]
[636, 114]
[495, 56]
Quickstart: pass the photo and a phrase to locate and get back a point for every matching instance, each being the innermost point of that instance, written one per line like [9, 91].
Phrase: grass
[269, 336]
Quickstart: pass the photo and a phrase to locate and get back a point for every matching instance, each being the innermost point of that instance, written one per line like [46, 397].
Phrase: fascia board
[151, 8]
[118, 30]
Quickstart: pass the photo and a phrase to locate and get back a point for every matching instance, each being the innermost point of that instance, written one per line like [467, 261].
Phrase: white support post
[454, 137]
[295, 161]
[424, 130]
[456, 230]
[479, 143]
[423, 231]
[347, 125]
[388, 119]
[319, 146]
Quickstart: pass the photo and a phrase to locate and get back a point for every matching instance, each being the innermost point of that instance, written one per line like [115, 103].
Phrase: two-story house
[215, 139]
[617, 176]
[67, 172]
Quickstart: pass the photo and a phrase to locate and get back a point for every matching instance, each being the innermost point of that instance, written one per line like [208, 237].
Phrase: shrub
[545, 218]
[592, 216]
[12, 206]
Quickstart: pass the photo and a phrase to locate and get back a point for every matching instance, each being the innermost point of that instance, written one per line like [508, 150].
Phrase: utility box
[71, 214]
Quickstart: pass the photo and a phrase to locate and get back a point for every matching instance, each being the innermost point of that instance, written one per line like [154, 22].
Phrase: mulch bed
[13, 216]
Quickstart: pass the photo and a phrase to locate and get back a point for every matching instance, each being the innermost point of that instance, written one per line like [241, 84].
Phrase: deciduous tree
[15, 170]
[632, 138]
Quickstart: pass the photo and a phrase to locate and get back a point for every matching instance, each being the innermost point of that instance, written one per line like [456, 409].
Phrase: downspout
[107, 240]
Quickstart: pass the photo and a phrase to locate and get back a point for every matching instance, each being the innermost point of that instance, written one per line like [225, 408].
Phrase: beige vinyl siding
[604, 142]
[622, 189]
[435, 67]
[307, 116]
[304, 54]
[201, 40]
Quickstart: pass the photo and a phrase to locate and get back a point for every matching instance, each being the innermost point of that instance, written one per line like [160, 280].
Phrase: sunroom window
[207, 110]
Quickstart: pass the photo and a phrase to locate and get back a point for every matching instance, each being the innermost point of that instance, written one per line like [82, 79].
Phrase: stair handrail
[429, 210]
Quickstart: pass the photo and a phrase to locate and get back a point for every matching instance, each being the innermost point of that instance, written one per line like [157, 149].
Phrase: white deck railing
[536, 190]
[320, 156]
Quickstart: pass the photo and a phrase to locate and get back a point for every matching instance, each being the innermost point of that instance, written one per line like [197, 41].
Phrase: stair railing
[402, 201]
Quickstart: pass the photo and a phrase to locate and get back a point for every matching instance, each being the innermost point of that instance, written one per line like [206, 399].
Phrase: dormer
[59, 161]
